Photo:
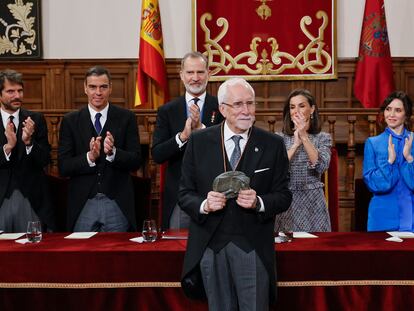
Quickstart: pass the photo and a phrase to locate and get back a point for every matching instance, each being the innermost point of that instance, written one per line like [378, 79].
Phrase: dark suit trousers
[234, 280]
[15, 212]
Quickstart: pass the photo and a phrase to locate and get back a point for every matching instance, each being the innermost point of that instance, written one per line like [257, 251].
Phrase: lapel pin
[256, 149]
[213, 117]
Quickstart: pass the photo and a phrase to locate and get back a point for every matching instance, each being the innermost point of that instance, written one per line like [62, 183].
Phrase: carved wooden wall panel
[37, 94]
[54, 85]
[58, 84]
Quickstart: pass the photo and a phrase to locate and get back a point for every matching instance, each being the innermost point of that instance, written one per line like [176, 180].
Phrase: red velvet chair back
[362, 198]
[330, 178]
[163, 168]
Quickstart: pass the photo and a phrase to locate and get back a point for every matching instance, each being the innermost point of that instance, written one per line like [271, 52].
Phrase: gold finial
[263, 10]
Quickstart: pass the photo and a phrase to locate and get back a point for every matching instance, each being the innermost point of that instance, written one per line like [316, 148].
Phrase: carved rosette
[19, 29]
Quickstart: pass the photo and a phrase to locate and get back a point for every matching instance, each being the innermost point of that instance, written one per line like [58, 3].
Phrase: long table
[336, 271]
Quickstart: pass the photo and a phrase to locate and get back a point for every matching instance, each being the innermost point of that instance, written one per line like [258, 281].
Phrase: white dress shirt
[5, 118]
[104, 117]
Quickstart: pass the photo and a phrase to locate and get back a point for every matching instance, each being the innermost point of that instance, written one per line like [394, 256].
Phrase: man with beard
[176, 120]
[26, 152]
[230, 257]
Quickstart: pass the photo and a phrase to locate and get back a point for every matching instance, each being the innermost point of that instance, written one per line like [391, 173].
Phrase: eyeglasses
[240, 105]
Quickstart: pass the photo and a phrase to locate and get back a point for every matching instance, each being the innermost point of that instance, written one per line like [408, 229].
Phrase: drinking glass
[284, 236]
[34, 231]
[149, 230]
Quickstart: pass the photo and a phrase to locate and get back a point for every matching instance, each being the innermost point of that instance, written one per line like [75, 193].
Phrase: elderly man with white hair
[230, 257]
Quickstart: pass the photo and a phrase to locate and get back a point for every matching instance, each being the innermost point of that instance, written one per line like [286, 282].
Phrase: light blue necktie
[235, 156]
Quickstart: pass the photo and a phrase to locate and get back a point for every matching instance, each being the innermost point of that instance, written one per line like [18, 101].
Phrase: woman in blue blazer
[388, 168]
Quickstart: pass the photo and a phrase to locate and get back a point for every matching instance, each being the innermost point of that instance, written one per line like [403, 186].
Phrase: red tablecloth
[105, 257]
[351, 271]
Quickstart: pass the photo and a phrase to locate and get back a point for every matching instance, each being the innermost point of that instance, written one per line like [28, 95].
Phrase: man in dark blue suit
[98, 148]
[230, 252]
[176, 120]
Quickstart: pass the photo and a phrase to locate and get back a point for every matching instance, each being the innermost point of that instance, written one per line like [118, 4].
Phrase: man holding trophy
[234, 182]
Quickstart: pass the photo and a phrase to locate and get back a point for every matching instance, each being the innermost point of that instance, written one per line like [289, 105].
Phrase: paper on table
[303, 235]
[398, 234]
[11, 236]
[80, 235]
[22, 241]
[139, 239]
[174, 234]
[394, 239]
[174, 237]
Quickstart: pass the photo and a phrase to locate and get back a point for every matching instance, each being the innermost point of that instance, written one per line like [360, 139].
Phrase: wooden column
[350, 157]
[331, 121]
[372, 119]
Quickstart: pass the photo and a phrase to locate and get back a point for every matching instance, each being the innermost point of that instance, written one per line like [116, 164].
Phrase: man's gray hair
[194, 54]
[222, 91]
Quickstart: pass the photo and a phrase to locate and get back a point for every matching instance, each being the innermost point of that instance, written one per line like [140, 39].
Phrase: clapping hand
[11, 138]
[195, 116]
[391, 150]
[109, 144]
[27, 131]
[296, 139]
[185, 134]
[94, 148]
[301, 128]
[300, 124]
[407, 148]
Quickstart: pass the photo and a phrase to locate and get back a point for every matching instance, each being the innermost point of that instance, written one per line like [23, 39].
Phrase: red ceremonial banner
[374, 79]
[267, 39]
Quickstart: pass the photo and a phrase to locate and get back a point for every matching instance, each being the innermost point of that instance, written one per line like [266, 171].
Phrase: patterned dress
[308, 211]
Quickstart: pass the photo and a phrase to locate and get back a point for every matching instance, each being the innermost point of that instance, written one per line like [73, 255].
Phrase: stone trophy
[230, 183]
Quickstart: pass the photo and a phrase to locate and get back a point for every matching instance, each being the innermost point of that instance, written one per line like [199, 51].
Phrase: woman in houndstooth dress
[309, 152]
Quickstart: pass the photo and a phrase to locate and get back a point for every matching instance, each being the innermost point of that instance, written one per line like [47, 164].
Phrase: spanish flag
[151, 87]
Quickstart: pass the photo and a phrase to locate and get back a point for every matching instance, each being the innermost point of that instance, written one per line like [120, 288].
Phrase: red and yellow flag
[151, 63]
[374, 79]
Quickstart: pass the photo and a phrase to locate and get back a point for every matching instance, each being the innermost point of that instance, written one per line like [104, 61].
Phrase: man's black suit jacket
[171, 119]
[28, 169]
[265, 161]
[112, 178]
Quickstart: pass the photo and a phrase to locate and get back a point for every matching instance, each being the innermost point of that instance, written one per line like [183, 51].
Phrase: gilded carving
[264, 11]
[19, 35]
[272, 61]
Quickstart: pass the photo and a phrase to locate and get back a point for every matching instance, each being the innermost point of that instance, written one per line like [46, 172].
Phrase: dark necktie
[11, 118]
[235, 156]
[98, 126]
[196, 99]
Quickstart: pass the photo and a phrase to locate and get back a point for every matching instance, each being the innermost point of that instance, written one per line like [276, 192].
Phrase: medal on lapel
[213, 116]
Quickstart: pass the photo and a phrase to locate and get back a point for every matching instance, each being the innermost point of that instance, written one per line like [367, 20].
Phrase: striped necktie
[196, 99]
[235, 156]
[98, 126]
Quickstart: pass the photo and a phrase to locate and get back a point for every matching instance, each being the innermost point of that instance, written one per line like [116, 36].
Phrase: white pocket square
[262, 170]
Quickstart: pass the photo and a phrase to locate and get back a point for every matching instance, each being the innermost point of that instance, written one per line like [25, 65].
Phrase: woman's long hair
[288, 125]
[407, 104]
